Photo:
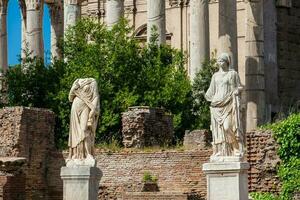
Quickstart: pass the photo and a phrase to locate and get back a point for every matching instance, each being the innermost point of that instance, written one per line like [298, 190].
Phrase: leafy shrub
[128, 75]
[201, 83]
[147, 177]
[287, 135]
[263, 196]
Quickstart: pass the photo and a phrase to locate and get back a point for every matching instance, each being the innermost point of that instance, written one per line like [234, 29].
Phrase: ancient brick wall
[179, 172]
[12, 186]
[29, 133]
[154, 196]
[263, 161]
[144, 126]
[288, 45]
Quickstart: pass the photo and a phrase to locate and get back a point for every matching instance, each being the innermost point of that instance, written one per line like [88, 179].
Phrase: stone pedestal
[80, 183]
[227, 180]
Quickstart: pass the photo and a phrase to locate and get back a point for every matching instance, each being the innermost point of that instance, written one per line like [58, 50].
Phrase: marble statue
[223, 93]
[83, 122]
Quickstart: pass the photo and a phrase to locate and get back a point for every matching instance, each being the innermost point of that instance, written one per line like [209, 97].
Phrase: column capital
[34, 4]
[3, 6]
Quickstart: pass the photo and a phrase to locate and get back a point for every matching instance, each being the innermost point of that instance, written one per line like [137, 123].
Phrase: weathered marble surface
[72, 13]
[223, 93]
[156, 18]
[114, 11]
[3, 36]
[255, 69]
[199, 35]
[228, 30]
[34, 25]
[85, 111]
[227, 181]
[81, 183]
[57, 28]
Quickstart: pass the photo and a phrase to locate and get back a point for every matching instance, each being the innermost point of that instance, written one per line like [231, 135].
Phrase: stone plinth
[80, 183]
[227, 180]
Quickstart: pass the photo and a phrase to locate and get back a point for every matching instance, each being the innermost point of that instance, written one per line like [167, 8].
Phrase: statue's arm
[238, 87]
[211, 90]
[72, 94]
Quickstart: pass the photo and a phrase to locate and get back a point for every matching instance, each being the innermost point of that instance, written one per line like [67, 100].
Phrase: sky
[14, 31]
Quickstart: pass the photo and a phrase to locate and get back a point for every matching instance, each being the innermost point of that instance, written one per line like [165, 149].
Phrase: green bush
[201, 110]
[147, 177]
[128, 75]
[287, 135]
[263, 196]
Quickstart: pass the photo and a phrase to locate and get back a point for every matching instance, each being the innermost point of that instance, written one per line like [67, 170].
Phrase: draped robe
[225, 124]
[84, 117]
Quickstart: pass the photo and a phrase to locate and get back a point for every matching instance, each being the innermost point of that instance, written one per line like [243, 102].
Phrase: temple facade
[261, 36]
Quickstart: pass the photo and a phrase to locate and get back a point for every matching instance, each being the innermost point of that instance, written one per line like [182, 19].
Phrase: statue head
[224, 61]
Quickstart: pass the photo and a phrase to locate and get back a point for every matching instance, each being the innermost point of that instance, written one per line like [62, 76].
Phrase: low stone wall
[12, 178]
[28, 133]
[144, 126]
[154, 196]
[178, 172]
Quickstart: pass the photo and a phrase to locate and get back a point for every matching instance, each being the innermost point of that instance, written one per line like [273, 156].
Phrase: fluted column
[57, 28]
[228, 30]
[3, 36]
[114, 11]
[71, 13]
[255, 79]
[23, 27]
[34, 26]
[156, 18]
[199, 35]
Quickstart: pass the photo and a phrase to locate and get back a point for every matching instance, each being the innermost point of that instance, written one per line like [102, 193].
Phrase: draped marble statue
[83, 121]
[223, 93]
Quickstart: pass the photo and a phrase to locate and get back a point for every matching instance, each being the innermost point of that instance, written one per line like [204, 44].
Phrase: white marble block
[227, 180]
[80, 183]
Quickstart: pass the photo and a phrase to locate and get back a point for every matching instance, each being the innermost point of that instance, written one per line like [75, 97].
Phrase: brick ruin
[144, 126]
[29, 133]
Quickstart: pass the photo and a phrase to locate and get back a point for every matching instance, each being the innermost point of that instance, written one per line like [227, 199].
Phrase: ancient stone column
[23, 27]
[114, 11]
[34, 26]
[156, 19]
[71, 13]
[228, 30]
[255, 80]
[57, 28]
[199, 35]
[3, 36]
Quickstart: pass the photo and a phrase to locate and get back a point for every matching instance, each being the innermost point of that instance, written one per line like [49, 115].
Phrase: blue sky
[14, 31]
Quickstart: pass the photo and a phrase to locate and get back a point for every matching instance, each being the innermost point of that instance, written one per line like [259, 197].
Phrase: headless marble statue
[223, 93]
[83, 122]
